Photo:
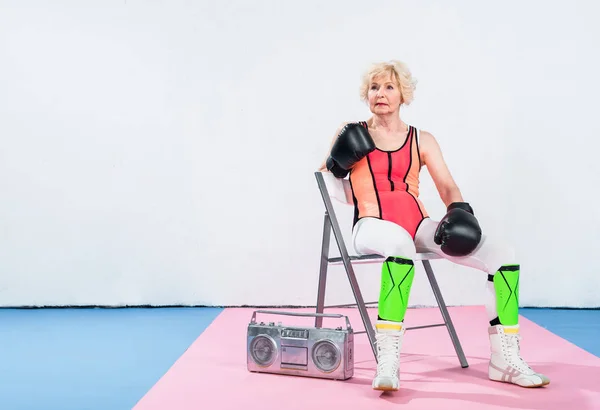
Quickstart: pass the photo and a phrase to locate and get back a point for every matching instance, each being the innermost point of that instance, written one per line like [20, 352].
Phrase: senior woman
[382, 157]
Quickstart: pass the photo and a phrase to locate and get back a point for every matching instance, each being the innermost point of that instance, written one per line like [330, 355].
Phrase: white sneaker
[389, 341]
[506, 364]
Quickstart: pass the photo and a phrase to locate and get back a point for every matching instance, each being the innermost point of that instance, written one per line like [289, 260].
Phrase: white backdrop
[163, 152]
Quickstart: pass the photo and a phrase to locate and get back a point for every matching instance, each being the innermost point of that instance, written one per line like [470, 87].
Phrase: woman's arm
[432, 158]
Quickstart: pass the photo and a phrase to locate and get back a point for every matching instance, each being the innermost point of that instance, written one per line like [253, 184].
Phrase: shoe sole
[384, 388]
[528, 387]
[537, 385]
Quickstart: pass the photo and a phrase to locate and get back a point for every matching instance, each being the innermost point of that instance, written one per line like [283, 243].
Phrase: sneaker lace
[388, 348]
[513, 348]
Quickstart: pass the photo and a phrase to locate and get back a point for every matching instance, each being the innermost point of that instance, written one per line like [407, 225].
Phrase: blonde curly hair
[397, 70]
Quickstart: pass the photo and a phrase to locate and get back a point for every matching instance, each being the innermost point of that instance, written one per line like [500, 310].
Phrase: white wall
[163, 152]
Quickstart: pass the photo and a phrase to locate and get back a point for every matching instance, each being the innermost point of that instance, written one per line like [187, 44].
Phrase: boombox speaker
[301, 351]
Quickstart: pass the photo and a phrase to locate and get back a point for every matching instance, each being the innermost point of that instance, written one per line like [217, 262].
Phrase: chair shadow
[570, 385]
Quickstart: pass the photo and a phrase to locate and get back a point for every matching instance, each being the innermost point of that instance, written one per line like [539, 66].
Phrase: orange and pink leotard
[385, 185]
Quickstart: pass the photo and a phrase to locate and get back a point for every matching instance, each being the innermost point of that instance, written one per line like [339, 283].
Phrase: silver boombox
[301, 351]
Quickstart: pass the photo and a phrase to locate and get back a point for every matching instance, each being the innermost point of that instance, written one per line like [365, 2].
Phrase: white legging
[377, 236]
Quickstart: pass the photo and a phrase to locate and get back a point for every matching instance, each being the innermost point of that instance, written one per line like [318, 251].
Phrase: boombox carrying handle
[274, 312]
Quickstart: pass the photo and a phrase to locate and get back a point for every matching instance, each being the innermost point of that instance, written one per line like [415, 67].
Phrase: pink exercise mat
[212, 373]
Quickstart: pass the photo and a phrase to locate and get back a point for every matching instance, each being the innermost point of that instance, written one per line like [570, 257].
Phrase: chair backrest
[338, 188]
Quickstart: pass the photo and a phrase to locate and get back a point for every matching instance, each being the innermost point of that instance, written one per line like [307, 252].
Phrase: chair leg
[360, 303]
[445, 314]
[323, 270]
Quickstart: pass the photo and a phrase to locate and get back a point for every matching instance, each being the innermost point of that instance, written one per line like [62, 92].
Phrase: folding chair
[339, 189]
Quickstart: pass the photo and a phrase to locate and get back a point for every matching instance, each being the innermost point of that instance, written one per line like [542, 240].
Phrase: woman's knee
[495, 254]
[376, 236]
[401, 246]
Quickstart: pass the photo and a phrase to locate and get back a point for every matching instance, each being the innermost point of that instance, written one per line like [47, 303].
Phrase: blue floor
[580, 327]
[107, 359]
[90, 359]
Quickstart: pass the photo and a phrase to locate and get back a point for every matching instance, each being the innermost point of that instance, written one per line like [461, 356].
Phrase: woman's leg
[502, 303]
[491, 257]
[376, 236]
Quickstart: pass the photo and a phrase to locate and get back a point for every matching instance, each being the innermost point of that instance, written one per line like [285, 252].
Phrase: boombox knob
[271, 323]
[262, 323]
[338, 328]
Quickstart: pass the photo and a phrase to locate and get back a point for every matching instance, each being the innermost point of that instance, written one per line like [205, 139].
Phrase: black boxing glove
[352, 144]
[458, 232]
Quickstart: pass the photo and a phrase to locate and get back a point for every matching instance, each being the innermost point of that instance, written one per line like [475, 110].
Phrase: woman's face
[384, 95]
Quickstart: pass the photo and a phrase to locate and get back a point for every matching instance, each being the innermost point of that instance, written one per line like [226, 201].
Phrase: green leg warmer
[506, 285]
[396, 281]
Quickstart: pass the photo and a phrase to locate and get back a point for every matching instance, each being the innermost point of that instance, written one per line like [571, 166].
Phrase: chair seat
[365, 259]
